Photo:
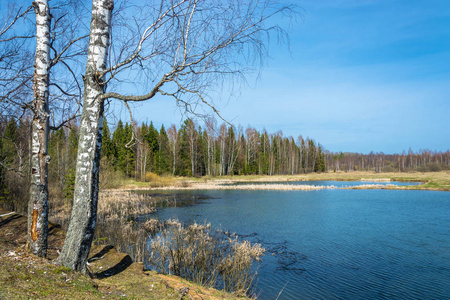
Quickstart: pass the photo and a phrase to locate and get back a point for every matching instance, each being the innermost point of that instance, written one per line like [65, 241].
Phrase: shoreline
[433, 181]
[114, 275]
[273, 187]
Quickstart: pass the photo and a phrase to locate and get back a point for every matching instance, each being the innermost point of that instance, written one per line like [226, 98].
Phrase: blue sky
[360, 76]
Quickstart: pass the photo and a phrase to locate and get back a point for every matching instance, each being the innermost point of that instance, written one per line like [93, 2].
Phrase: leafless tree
[192, 136]
[223, 136]
[184, 46]
[211, 133]
[38, 204]
[173, 143]
[46, 40]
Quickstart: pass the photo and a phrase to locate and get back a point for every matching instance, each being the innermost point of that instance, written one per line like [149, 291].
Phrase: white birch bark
[80, 233]
[38, 202]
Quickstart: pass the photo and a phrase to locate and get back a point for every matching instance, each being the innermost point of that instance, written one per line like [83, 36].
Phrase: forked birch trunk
[38, 202]
[81, 229]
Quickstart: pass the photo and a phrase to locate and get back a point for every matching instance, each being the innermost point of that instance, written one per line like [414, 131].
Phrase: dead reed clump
[117, 222]
[125, 204]
[127, 236]
[205, 257]
[235, 267]
[152, 226]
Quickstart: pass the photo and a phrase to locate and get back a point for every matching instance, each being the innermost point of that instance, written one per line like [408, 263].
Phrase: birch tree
[84, 212]
[17, 72]
[173, 143]
[45, 43]
[38, 205]
[210, 141]
[183, 47]
[192, 135]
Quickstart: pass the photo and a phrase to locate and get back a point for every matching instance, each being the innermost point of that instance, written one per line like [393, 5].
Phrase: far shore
[439, 181]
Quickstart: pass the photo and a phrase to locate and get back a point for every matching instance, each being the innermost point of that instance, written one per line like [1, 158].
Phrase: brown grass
[431, 180]
[116, 223]
[205, 257]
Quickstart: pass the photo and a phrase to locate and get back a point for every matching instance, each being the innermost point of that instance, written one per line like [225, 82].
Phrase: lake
[337, 244]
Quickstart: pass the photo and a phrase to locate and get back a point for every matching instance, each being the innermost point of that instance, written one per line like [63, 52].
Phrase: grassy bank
[430, 180]
[115, 275]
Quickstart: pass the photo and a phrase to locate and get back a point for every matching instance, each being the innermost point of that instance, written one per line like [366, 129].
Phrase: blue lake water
[337, 244]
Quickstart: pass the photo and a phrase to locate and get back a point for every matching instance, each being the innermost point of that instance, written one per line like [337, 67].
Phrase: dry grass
[116, 223]
[152, 180]
[228, 185]
[431, 180]
[205, 257]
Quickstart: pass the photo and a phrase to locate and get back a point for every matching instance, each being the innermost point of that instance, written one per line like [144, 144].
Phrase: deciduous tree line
[191, 150]
[423, 161]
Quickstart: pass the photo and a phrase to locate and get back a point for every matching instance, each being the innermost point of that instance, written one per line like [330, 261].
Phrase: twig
[279, 294]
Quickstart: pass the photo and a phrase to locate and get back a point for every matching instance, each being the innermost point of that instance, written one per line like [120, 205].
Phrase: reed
[116, 221]
[204, 256]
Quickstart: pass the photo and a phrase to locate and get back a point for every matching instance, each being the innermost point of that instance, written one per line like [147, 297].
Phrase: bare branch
[150, 95]
[147, 33]
[133, 137]
[64, 122]
[58, 56]
[9, 24]
[20, 173]
[192, 44]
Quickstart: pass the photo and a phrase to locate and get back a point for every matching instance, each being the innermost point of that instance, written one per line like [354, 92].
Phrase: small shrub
[150, 176]
[154, 180]
[185, 184]
[109, 177]
[434, 167]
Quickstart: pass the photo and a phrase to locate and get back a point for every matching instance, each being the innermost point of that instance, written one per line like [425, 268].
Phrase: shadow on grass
[120, 267]
[4, 221]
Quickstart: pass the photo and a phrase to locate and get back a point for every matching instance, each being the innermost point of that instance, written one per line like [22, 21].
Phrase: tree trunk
[80, 233]
[38, 202]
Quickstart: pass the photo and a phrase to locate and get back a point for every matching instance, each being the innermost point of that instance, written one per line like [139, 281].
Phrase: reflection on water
[337, 244]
